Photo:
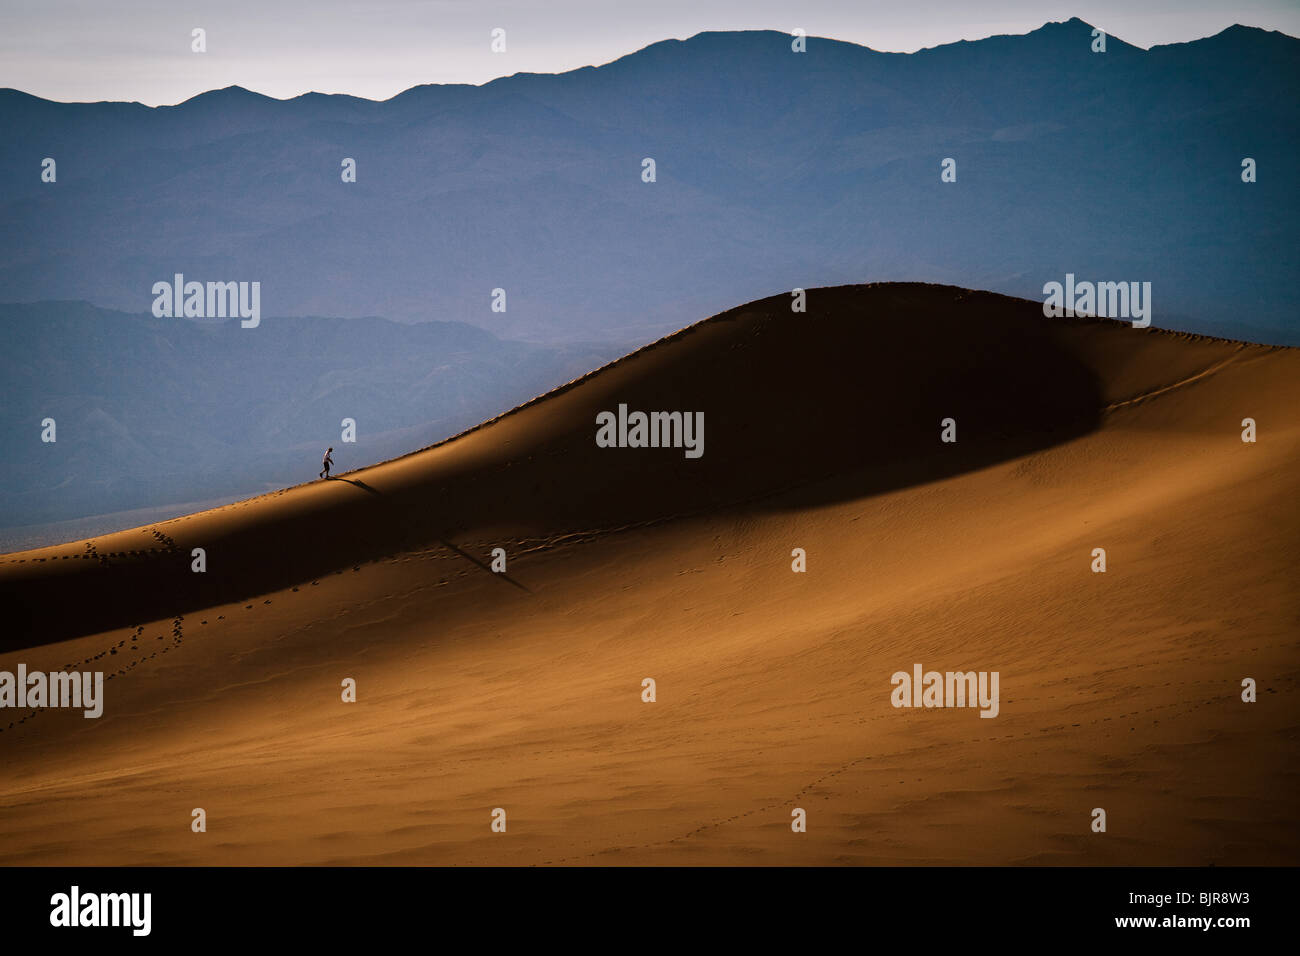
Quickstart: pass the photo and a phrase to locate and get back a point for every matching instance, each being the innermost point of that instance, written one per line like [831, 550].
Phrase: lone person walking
[327, 462]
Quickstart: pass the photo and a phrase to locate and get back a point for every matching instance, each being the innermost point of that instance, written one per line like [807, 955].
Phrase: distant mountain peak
[1239, 33]
[1241, 29]
[1074, 23]
[229, 94]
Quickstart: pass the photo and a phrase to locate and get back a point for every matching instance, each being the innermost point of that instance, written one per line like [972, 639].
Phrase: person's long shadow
[360, 484]
[463, 553]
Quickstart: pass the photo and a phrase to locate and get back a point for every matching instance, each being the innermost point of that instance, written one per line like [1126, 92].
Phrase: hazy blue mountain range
[774, 170]
[152, 411]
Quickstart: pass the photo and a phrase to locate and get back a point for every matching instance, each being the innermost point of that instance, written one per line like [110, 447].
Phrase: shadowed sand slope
[523, 690]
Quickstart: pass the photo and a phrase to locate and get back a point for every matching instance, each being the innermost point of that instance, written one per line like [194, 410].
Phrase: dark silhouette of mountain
[774, 170]
[156, 411]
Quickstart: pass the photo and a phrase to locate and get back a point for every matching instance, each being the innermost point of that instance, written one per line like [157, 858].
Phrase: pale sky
[76, 50]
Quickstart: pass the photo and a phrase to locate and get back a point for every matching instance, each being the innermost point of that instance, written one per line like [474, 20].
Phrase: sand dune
[523, 690]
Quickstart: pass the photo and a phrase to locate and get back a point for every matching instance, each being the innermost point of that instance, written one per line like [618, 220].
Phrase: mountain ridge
[1072, 27]
[773, 169]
